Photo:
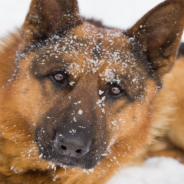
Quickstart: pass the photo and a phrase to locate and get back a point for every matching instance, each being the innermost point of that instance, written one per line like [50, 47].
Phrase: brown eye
[59, 77]
[115, 90]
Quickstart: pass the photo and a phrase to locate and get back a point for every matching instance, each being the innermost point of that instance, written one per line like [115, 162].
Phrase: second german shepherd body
[77, 98]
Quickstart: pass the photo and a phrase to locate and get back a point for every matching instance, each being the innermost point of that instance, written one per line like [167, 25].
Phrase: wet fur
[126, 143]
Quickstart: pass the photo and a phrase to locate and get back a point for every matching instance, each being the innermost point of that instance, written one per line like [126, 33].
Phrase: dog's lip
[74, 163]
[69, 162]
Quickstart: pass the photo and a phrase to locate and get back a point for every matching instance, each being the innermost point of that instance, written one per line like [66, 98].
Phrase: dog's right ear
[48, 17]
[159, 33]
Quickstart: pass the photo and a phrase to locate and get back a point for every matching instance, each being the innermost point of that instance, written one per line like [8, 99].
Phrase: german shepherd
[78, 99]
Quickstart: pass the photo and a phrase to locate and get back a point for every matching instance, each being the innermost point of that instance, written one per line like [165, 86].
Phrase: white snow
[121, 14]
[153, 171]
[80, 112]
[101, 92]
[115, 13]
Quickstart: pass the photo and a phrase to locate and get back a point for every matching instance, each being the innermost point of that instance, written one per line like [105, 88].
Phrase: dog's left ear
[49, 17]
[159, 34]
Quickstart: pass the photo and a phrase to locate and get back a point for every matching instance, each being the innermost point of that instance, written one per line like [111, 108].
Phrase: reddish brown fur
[23, 98]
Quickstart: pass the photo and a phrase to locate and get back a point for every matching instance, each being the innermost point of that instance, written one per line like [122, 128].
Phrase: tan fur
[131, 122]
[168, 112]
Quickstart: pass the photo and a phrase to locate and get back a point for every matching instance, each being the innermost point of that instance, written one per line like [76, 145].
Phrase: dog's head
[88, 90]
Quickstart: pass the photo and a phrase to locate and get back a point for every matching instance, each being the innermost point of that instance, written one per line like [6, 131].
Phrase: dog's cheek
[32, 101]
[130, 128]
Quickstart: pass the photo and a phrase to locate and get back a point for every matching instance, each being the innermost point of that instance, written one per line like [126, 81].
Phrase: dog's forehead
[90, 41]
[90, 49]
[93, 34]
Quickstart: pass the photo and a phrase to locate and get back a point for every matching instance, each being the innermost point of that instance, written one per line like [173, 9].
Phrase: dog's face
[86, 92]
[92, 85]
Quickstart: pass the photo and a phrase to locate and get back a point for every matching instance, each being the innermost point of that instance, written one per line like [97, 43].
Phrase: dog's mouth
[66, 161]
[88, 161]
[71, 162]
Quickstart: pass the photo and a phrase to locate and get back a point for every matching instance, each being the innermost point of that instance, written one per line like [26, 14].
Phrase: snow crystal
[134, 80]
[114, 123]
[77, 103]
[101, 92]
[41, 155]
[73, 131]
[103, 110]
[71, 83]
[74, 119]
[82, 127]
[91, 170]
[80, 112]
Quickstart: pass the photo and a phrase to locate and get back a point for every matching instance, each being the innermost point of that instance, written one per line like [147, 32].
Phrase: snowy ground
[120, 14]
[153, 171]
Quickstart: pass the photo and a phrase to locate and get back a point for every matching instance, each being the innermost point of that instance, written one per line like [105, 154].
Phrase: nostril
[71, 146]
[79, 151]
[64, 148]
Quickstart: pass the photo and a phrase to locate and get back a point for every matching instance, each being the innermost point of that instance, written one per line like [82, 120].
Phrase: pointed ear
[48, 17]
[159, 33]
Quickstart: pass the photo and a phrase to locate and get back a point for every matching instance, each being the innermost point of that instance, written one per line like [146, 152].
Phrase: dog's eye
[116, 91]
[59, 77]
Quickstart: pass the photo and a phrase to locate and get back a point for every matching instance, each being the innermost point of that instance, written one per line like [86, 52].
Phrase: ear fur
[159, 34]
[48, 17]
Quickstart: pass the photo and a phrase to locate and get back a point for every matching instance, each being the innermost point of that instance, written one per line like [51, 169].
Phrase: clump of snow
[101, 104]
[73, 131]
[109, 75]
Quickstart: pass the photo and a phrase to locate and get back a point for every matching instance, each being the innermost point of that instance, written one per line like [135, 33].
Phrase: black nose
[74, 145]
